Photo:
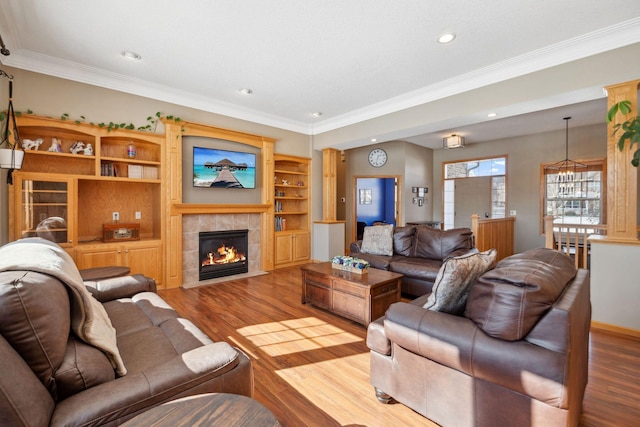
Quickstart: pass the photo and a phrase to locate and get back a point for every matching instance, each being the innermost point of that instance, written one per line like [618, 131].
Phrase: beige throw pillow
[457, 274]
[378, 240]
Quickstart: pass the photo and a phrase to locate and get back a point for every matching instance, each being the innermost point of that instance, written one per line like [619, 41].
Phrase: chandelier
[566, 169]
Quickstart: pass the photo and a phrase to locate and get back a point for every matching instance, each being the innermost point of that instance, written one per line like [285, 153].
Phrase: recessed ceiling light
[317, 114]
[131, 55]
[446, 38]
[373, 140]
[492, 115]
[245, 91]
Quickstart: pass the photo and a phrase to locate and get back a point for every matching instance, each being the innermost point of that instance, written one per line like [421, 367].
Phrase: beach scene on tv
[215, 168]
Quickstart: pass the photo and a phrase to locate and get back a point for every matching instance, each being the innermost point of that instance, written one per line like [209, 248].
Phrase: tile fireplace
[223, 253]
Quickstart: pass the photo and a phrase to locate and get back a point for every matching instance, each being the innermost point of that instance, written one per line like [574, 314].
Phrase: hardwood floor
[312, 367]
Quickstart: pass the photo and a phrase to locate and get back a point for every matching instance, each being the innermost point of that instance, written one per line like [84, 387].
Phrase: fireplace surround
[223, 253]
[193, 224]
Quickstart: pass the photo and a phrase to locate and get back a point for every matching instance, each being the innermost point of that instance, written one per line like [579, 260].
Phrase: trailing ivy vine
[151, 126]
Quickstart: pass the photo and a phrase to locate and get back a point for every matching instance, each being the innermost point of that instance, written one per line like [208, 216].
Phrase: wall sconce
[453, 141]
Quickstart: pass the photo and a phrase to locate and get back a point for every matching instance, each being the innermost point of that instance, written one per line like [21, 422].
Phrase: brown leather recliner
[50, 376]
[517, 357]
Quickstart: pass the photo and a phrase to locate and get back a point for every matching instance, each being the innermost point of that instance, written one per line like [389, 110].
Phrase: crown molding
[600, 41]
[35, 62]
[603, 40]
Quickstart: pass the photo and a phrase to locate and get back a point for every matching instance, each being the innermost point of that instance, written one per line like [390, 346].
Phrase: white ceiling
[351, 60]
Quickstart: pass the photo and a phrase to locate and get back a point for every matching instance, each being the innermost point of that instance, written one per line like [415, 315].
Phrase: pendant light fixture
[566, 169]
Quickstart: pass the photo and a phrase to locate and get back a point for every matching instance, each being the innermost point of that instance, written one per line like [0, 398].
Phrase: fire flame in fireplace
[224, 255]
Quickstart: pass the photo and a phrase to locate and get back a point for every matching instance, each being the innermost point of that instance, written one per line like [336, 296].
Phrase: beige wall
[524, 156]
[614, 284]
[410, 162]
[51, 96]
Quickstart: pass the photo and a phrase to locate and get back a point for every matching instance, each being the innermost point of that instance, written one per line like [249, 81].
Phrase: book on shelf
[135, 171]
[150, 172]
[108, 169]
[281, 223]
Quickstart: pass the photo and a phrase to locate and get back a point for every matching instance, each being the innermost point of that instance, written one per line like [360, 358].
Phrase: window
[575, 197]
[494, 167]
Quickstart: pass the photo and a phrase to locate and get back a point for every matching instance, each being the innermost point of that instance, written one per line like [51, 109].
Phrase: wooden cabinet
[141, 257]
[291, 210]
[42, 206]
[292, 247]
[78, 193]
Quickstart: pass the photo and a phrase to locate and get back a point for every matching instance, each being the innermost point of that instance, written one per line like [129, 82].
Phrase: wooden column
[329, 184]
[622, 181]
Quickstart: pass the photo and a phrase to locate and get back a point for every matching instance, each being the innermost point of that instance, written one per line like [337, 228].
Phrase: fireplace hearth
[223, 253]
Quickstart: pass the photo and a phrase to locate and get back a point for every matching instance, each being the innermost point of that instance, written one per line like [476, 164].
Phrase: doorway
[376, 202]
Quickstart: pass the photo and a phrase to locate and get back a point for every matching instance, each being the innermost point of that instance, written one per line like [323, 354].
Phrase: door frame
[354, 198]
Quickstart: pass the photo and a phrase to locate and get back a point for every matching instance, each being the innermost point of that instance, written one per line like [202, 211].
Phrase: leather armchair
[518, 356]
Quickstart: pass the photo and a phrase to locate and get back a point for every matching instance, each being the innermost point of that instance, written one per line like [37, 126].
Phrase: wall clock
[377, 157]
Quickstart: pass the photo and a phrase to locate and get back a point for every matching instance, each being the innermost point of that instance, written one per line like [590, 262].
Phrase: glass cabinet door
[44, 209]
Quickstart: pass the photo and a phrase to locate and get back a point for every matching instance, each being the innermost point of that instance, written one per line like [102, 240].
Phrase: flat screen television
[214, 168]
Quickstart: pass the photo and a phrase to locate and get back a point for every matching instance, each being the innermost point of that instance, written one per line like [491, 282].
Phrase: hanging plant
[10, 157]
[629, 129]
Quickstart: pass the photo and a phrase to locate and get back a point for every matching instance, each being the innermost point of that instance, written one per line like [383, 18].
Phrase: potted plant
[630, 129]
[10, 157]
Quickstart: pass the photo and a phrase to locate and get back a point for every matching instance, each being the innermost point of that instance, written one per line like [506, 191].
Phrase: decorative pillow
[378, 240]
[457, 274]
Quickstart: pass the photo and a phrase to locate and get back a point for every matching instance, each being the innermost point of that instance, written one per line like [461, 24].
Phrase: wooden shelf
[292, 245]
[71, 186]
[132, 161]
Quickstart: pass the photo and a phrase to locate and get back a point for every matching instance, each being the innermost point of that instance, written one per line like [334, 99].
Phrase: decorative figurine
[285, 182]
[77, 147]
[28, 144]
[131, 150]
[88, 151]
[55, 146]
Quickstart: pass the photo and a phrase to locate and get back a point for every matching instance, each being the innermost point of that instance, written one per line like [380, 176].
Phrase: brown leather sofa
[517, 357]
[418, 254]
[50, 376]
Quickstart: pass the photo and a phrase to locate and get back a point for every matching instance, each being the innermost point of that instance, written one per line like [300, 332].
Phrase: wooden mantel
[175, 208]
[202, 208]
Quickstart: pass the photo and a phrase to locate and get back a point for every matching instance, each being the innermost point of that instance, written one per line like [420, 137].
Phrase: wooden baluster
[548, 232]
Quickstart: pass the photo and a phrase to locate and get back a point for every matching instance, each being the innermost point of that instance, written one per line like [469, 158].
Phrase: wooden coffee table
[359, 297]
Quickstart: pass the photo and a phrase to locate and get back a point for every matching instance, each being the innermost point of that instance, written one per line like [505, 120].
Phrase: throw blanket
[89, 320]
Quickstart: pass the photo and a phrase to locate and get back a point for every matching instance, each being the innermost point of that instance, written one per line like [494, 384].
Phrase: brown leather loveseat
[72, 357]
[418, 254]
[518, 356]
